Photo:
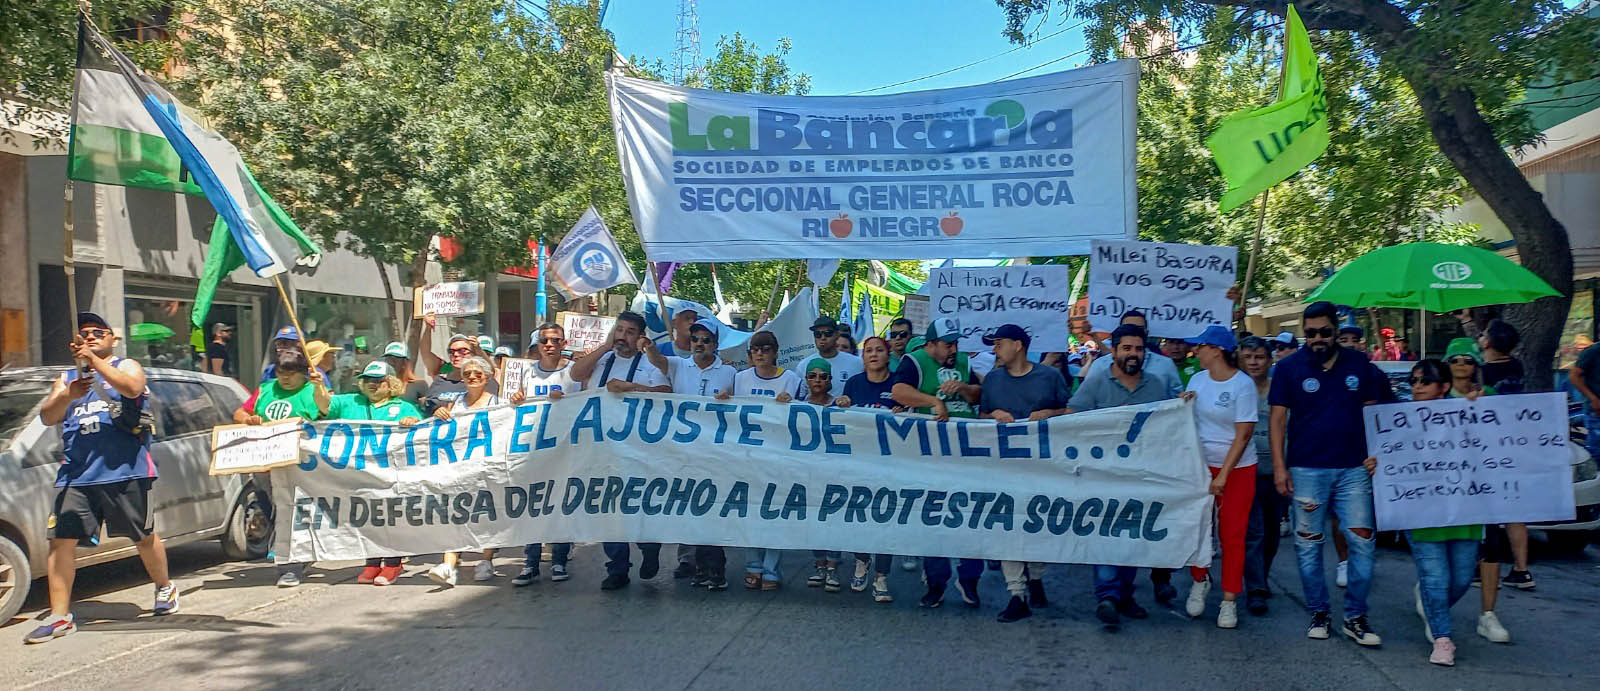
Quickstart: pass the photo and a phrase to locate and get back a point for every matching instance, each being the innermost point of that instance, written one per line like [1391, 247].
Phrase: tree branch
[1316, 14]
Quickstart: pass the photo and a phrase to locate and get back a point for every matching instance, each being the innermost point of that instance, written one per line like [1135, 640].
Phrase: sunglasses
[550, 341]
[824, 334]
[818, 375]
[764, 349]
[460, 351]
[705, 340]
[474, 375]
[1324, 332]
[94, 333]
[899, 334]
[1461, 360]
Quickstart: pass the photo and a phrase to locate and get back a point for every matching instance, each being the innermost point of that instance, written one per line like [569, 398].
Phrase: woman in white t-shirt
[476, 373]
[1225, 413]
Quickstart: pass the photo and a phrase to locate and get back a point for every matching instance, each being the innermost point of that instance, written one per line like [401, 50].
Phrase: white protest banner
[1499, 459]
[792, 327]
[513, 374]
[588, 261]
[916, 309]
[255, 448]
[585, 332]
[1037, 166]
[982, 298]
[1181, 288]
[448, 299]
[1114, 486]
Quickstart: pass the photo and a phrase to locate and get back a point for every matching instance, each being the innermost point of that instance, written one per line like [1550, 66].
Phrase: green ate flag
[224, 255]
[1260, 148]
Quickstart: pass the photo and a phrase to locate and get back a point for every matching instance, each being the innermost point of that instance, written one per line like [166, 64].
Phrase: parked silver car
[190, 504]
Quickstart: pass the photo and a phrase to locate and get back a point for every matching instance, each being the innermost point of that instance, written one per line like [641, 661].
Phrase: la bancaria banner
[1117, 486]
[1029, 167]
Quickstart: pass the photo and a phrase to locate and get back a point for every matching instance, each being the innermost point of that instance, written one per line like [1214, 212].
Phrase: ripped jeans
[1349, 492]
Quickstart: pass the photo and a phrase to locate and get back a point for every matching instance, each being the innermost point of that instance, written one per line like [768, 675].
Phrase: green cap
[361, 342]
[377, 369]
[397, 349]
[817, 364]
[486, 343]
[1463, 346]
[915, 344]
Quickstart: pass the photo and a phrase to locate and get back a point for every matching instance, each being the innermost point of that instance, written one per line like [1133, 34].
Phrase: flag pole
[1255, 248]
[777, 281]
[289, 305]
[661, 304]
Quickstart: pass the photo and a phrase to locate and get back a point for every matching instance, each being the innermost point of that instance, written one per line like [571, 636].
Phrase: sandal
[752, 581]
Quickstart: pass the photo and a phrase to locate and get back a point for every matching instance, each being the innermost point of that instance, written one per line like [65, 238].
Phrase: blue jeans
[764, 562]
[1444, 570]
[1349, 492]
[617, 555]
[1114, 583]
[535, 551]
[936, 570]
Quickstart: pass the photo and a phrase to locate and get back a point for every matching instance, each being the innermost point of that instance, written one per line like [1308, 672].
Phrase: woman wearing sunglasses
[1465, 364]
[378, 399]
[819, 382]
[1466, 369]
[477, 374]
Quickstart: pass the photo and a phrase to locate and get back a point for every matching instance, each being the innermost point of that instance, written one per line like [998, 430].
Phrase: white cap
[1284, 337]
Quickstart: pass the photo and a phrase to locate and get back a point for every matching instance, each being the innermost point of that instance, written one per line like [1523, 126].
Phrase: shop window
[1578, 332]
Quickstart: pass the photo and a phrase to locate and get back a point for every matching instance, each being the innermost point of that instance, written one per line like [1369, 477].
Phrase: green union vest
[934, 374]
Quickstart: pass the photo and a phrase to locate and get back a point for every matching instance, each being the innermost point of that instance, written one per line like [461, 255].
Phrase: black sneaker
[968, 588]
[1521, 580]
[614, 581]
[1256, 605]
[933, 598]
[716, 583]
[1356, 628]
[1165, 594]
[1036, 596]
[650, 566]
[1106, 612]
[700, 580]
[1014, 611]
[1131, 609]
[684, 570]
[1320, 626]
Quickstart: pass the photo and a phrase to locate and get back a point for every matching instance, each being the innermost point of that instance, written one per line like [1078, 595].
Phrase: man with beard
[619, 367]
[1156, 364]
[700, 373]
[937, 380]
[1122, 382]
[1318, 447]
[219, 360]
[678, 345]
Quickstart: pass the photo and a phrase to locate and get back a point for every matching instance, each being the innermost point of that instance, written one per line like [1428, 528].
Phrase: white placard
[1499, 459]
[585, 332]
[983, 298]
[1181, 288]
[255, 448]
[512, 377]
[1116, 486]
[916, 309]
[1036, 166]
[449, 299]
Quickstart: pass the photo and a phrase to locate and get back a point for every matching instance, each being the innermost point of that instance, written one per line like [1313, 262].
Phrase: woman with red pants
[1225, 413]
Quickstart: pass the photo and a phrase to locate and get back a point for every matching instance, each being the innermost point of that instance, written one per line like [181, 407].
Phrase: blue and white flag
[588, 260]
[863, 326]
[844, 303]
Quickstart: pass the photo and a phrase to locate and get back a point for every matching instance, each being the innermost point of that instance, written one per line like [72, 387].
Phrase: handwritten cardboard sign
[513, 376]
[916, 309]
[1181, 289]
[983, 298]
[585, 332]
[255, 448]
[449, 299]
[1499, 459]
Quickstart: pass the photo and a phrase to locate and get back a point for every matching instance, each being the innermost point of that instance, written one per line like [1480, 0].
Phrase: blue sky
[856, 45]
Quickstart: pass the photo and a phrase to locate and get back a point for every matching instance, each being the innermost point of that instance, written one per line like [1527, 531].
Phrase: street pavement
[237, 630]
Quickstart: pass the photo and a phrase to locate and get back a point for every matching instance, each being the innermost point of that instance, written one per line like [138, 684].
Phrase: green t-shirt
[354, 406]
[1453, 532]
[275, 403]
[1187, 368]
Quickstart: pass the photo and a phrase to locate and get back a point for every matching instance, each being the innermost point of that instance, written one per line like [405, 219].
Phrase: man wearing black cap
[218, 360]
[825, 334]
[106, 469]
[1018, 390]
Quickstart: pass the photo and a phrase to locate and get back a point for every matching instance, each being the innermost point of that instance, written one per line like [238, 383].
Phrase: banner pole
[541, 300]
[1255, 248]
[69, 268]
[289, 306]
[772, 300]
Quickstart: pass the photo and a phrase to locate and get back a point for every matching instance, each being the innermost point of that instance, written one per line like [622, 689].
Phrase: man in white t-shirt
[548, 379]
[825, 334]
[701, 373]
[618, 366]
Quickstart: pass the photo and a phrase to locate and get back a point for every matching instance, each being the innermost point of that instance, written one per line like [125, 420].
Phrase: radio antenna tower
[686, 52]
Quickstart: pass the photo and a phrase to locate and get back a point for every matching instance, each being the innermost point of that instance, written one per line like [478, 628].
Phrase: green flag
[1260, 148]
[223, 256]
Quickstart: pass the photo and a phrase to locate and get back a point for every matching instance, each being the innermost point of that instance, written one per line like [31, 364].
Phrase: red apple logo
[840, 227]
[951, 225]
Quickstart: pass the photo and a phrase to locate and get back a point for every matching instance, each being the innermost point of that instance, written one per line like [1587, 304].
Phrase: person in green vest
[937, 380]
[1178, 350]
[378, 398]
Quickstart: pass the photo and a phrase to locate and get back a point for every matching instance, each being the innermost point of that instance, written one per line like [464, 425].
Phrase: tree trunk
[388, 297]
[419, 278]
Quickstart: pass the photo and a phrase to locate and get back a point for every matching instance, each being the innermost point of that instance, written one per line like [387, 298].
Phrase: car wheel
[249, 533]
[1567, 541]
[15, 578]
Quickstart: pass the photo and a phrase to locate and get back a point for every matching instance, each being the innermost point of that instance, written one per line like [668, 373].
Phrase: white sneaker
[1341, 577]
[483, 571]
[1196, 605]
[1489, 627]
[1228, 615]
[288, 579]
[443, 574]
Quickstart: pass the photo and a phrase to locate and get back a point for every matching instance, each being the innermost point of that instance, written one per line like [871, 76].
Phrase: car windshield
[18, 398]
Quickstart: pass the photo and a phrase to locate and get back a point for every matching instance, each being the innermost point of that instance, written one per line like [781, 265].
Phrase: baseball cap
[1357, 331]
[461, 337]
[1463, 346]
[486, 343]
[943, 329]
[1216, 335]
[820, 365]
[1010, 331]
[1283, 339]
[686, 310]
[709, 325]
[502, 350]
[397, 349]
[287, 333]
[377, 369]
[92, 319]
[825, 322]
[915, 344]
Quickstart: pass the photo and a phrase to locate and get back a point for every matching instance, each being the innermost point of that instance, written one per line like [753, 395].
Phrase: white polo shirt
[687, 377]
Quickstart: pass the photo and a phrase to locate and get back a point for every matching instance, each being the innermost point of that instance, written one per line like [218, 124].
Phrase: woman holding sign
[477, 374]
[378, 399]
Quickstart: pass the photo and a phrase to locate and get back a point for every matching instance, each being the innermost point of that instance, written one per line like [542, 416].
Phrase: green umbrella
[1433, 277]
[149, 331]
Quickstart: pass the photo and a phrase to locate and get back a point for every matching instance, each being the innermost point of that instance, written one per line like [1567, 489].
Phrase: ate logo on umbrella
[1452, 271]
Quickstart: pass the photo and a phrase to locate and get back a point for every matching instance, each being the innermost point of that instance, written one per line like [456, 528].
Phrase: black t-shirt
[1505, 377]
[219, 351]
[447, 391]
[865, 393]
